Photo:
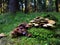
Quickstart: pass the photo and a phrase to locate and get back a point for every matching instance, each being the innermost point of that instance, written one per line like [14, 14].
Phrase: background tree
[0, 6]
[35, 6]
[13, 5]
[21, 5]
[41, 5]
[26, 6]
[56, 3]
[50, 6]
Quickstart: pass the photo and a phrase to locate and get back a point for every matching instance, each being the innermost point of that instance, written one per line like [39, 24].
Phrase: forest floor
[40, 36]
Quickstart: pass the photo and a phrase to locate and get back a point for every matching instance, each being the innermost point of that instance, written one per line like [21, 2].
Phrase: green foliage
[40, 36]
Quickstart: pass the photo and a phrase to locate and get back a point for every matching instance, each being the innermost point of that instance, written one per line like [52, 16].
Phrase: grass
[40, 36]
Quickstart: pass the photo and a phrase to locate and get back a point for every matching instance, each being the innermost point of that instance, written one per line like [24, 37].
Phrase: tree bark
[26, 9]
[35, 7]
[13, 5]
[56, 3]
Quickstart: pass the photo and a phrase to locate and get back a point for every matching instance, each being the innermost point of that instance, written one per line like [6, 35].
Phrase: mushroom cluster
[21, 30]
[42, 22]
[36, 22]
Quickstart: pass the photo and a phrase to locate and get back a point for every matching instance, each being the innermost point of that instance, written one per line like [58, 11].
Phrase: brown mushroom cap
[51, 22]
[37, 17]
[29, 35]
[37, 20]
[27, 26]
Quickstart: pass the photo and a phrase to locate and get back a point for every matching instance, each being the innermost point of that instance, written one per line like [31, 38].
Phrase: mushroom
[36, 25]
[30, 24]
[45, 25]
[50, 25]
[41, 18]
[51, 22]
[37, 21]
[2, 35]
[29, 35]
[46, 19]
[32, 21]
[37, 17]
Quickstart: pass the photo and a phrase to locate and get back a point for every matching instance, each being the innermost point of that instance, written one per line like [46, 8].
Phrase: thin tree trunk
[22, 4]
[26, 9]
[0, 6]
[56, 3]
[35, 7]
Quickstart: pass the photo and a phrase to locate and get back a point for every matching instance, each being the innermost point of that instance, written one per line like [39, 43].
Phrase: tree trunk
[42, 5]
[26, 9]
[13, 5]
[56, 3]
[35, 7]
[22, 4]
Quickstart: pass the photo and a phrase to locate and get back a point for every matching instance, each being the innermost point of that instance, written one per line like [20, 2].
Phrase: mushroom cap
[51, 22]
[29, 35]
[45, 25]
[46, 19]
[29, 23]
[32, 21]
[41, 18]
[2, 35]
[50, 25]
[37, 17]
[36, 24]
[37, 20]
[27, 26]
